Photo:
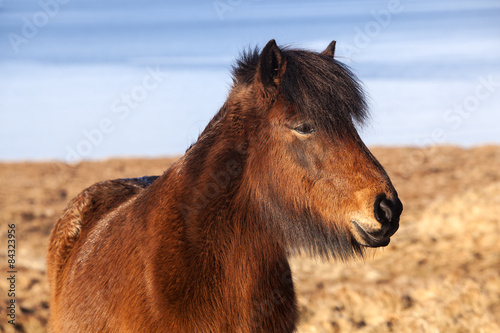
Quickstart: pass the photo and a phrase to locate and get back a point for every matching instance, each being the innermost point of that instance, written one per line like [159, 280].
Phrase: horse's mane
[321, 89]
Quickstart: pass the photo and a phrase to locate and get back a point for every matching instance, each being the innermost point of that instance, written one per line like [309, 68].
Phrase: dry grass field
[441, 272]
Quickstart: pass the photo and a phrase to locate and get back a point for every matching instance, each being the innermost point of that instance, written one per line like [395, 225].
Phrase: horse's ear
[272, 65]
[330, 50]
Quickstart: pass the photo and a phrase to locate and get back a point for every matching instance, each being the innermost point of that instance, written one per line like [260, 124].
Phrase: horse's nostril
[384, 210]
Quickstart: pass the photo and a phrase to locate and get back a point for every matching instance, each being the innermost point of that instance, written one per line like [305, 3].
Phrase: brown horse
[203, 248]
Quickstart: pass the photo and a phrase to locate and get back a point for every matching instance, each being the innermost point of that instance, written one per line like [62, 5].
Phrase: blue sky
[67, 67]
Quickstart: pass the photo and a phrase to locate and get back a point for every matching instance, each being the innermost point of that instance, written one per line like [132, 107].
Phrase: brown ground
[441, 272]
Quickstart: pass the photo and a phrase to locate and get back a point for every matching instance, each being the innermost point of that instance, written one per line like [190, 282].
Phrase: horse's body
[203, 248]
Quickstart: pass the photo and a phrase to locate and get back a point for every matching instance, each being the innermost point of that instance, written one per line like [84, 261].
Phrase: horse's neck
[218, 254]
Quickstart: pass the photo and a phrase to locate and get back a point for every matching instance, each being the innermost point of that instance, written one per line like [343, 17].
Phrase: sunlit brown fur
[203, 248]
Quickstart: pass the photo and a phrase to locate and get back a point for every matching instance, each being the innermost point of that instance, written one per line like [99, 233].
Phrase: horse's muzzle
[387, 213]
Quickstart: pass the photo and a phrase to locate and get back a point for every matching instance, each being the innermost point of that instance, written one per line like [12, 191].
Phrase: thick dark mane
[319, 87]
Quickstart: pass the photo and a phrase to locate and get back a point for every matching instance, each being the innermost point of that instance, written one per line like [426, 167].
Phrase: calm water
[84, 79]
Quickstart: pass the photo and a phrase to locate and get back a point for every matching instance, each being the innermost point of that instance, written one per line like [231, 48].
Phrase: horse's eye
[304, 128]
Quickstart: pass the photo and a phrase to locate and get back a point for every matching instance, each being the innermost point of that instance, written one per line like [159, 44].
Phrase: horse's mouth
[378, 238]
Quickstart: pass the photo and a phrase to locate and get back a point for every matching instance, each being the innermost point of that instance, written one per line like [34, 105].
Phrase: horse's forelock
[320, 88]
